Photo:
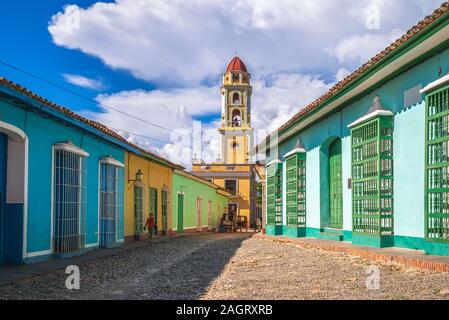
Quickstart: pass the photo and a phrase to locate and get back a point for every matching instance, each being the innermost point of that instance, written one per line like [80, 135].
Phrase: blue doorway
[11, 206]
[3, 159]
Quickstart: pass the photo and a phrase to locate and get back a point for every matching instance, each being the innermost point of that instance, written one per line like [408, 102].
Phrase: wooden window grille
[296, 190]
[165, 207]
[437, 166]
[372, 177]
[139, 199]
[274, 195]
[153, 203]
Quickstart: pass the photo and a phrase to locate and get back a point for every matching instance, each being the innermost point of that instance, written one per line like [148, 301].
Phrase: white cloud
[184, 46]
[84, 82]
[172, 109]
[341, 74]
[360, 48]
[276, 98]
[187, 41]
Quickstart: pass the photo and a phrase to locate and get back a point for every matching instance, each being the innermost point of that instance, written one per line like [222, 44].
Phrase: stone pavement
[180, 267]
[229, 266]
[14, 273]
[409, 258]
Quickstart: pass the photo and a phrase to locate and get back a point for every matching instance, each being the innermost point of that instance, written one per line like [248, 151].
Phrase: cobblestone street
[230, 266]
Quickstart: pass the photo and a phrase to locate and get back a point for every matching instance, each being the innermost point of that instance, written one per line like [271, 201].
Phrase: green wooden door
[180, 212]
[153, 203]
[165, 204]
[335, 186]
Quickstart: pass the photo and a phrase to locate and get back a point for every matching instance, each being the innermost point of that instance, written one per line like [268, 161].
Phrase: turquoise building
[368, 162]
[61, 180]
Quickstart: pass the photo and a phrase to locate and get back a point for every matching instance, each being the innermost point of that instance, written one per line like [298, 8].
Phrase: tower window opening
[235, 77]
[231, 186]
[236, 98]
[236, 118]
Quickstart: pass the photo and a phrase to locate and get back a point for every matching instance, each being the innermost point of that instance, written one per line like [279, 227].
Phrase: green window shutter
[153, 203]
[138, 210]
[296, 190]
[335, 186]
[274, 195]
[437, 166]
[372, 177]
[165, 205]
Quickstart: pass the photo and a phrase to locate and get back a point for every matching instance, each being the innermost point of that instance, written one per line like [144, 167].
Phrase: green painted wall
[193, 189]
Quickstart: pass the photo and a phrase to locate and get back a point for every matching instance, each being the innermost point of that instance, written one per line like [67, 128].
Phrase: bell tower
[236, 127]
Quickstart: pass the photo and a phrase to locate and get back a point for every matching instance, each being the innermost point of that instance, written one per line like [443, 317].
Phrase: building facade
[61, 180]
[368, 161]
[69, 184]
[148, 181]
[198, 204]
[234, 171]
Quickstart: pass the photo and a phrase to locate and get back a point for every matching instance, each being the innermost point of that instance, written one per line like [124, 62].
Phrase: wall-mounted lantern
[139, 177]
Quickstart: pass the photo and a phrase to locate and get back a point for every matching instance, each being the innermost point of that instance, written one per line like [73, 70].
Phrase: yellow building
[234, 171]
[148, 187]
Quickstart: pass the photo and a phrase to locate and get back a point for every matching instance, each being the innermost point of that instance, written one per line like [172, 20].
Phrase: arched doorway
[13, 193]
[335, 186]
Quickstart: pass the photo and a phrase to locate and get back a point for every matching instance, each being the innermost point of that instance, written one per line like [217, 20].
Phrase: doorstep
[407, 257]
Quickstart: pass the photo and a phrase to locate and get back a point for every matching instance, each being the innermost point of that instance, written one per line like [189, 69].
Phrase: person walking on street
[150, 225]
[257, 225]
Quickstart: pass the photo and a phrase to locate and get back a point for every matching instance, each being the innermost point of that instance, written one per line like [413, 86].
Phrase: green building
[197, 203]
[368, 162]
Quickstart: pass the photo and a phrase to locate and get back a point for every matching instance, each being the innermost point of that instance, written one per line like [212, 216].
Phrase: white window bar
[69, 205]
[111, 202]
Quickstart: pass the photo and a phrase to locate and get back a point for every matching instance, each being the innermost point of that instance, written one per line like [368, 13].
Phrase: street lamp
[139, 177]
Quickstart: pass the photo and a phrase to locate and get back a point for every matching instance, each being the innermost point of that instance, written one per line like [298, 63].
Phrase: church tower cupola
[236, 112]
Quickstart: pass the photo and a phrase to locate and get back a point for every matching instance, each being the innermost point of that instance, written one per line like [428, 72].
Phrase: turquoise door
[3, 146]
[335, 186]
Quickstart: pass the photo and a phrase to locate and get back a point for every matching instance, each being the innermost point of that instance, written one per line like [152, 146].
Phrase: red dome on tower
[236, 64]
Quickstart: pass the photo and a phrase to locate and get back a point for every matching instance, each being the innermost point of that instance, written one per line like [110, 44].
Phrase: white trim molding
[295, 151]
[12, 132]
[371, 116]
[70, 147]
[110, 160]
[37, 254]
[18, 136]
[276, 161]
[436, 84]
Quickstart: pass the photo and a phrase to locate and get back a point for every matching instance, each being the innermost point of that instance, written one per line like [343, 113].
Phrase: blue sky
[162, 60]
[29, 46]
